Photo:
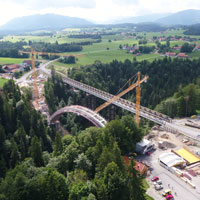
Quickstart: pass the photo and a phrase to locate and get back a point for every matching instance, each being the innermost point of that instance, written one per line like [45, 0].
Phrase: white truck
[144, 146]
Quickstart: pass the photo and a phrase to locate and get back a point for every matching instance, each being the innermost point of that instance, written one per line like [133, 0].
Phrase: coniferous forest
[38, 163]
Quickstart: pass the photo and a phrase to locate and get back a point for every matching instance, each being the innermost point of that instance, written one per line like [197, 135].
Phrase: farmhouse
[197, 48]
[182, 55]
[13, 68]
[177, 48]
[140, 167]
[27, 62]
[170, 54]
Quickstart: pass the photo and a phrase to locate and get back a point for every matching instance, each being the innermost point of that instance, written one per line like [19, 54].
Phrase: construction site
[175, 143]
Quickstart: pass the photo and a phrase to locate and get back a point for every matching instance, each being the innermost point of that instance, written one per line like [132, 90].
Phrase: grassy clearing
[2, 81]
[59, 38]
[11, 60]
[107, 56]
[105, 51]
[146, 186]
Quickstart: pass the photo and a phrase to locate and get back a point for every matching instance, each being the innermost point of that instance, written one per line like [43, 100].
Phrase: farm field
[2, 81]
[48, 39]
[10, 60]
[105, 51]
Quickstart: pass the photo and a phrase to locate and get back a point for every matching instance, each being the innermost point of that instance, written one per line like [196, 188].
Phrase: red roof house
[182, 55]
[170, 54]
[28, 62]
[197, 47]
[140, 167]
[177, 48]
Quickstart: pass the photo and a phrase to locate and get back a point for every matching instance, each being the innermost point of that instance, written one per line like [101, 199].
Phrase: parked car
[158, 187]
[169, 197]
[155, 178]
[159, 182]
[166, 192]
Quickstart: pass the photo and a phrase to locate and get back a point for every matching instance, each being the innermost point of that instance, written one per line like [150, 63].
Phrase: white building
[169, 160]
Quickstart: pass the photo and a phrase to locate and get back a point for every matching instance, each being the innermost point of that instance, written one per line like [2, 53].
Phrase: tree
[168, 43]
[115, 183]
[135, 185]
[14, 157]
[82, 162]
[36, 152]
[3, 167]
[55, 186]
[187, 48]
[58, 146]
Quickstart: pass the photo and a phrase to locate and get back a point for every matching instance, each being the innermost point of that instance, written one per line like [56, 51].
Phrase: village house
[177, 48]
[182, 55]
[13, 68]
[27, 62]
[140, 167]
[197, 48]
[170, 54]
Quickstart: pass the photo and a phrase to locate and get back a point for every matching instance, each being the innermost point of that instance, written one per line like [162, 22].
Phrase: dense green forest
[87, 166]
[55, 47]
[21, 127]
[185, 102]
[9, 49]
[92, 36]
[193, 30]
[165, 77]
[47, 166]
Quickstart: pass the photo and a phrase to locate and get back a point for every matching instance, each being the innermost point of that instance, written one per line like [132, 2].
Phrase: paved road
[190, 132]
[183, 191]
[41, 67]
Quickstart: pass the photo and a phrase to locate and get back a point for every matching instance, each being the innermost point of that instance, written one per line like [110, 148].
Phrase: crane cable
[127, 83]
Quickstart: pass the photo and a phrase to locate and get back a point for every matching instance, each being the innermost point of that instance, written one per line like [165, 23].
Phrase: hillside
[141, 19]
[193, 30]
[186, 17]
[44, 22]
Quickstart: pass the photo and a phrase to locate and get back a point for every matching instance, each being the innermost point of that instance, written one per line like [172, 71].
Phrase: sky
[98, 11]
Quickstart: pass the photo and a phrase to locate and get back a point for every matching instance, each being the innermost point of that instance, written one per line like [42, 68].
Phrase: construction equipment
[33, 53]
[35, 88]
[138, 94]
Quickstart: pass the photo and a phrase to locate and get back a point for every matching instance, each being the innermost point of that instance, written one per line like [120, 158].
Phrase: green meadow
[106, 51]
[10, 60]
[2, 81]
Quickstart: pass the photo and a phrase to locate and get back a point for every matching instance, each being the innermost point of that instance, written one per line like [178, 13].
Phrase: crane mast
[35, 88]
[131, 87]
[138, 96]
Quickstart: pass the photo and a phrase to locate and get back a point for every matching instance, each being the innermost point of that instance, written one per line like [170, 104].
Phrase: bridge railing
[128, 105]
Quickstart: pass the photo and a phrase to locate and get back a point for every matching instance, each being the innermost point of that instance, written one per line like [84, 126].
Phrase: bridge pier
[56, 126]
[111, 114]
[91, 101]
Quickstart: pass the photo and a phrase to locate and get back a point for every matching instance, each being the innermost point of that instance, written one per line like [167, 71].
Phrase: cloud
[126, 2]
[43, 4]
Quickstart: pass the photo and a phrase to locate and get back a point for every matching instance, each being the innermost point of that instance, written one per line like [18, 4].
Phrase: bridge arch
[87, 113]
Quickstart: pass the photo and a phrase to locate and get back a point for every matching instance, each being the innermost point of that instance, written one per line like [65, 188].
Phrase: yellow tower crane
[138, 94]
[33, 53]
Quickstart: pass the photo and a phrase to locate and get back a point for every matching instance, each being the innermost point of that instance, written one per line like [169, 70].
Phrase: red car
[155, 178]
[169, 197]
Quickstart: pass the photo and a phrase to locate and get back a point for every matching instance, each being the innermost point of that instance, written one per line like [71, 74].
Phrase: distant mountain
[186, 17]
[44, 22]
[140, 19]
